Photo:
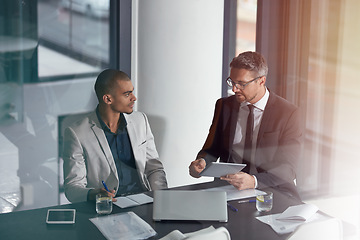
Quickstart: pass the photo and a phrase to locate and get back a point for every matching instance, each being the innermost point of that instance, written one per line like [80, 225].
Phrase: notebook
[190, 205]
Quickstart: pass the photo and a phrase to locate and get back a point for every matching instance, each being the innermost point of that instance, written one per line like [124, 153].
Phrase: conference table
[242, 224]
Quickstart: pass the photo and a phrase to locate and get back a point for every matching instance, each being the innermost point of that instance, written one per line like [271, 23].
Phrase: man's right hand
[196, 167]
[93, 192]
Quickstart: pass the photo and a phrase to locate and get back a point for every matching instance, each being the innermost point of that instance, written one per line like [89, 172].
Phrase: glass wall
[245, 31]
[332, 95]
[50, 54]
[246, 26]
[73, 32]
[312, 50]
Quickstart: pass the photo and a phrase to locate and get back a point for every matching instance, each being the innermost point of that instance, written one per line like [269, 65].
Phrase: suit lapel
[130, 127]
[230, 119]
[132, 133]
[134, 140]
[233, 120]
[266, 117]
[100, 136]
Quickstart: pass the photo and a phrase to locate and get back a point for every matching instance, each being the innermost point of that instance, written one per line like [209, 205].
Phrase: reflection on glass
[246, 26]
[74, 36]
[18, 56]
[42, 44]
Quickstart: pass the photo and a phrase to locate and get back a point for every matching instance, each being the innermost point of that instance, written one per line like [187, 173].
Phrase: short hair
[106, 81]
[251, 61]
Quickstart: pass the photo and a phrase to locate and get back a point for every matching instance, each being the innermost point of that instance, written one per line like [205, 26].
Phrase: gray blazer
[88, 159]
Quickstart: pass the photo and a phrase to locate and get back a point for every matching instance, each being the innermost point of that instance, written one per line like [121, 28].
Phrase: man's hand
[93, 192]
[240, 180]
[196, 167]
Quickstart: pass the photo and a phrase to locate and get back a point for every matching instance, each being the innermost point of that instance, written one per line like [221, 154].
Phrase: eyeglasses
[239, 85]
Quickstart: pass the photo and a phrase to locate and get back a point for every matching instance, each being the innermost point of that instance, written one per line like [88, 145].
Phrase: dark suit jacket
[278, 145]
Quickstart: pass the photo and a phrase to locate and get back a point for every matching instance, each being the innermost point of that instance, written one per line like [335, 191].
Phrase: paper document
[123, 226]
[306, 212]
[177, 235]
[301, 212]
[234, 194]
[133, 200]
[282, 227]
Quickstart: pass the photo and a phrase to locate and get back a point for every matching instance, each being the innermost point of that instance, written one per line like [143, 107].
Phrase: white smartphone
[60, 216]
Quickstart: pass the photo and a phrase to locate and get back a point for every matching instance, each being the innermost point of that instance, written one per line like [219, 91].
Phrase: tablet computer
[60, 216]
[219, 169]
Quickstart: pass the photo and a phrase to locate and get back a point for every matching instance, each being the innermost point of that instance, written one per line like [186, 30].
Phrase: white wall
[177, 71]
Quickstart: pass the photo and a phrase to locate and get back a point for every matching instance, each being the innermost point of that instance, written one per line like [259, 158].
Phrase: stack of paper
[123, 226]
[206, 232]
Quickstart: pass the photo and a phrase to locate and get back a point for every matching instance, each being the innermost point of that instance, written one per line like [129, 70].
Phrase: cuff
[256, 182]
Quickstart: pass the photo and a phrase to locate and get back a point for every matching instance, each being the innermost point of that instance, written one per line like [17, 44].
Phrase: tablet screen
[60, 216]
[218, 169]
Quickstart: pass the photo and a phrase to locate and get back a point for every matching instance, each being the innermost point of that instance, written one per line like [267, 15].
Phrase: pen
[247, 201]
[105, 186]
[232, 207]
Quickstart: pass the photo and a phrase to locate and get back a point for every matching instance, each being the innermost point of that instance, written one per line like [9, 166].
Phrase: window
[50, 55]
[73, 37]
[245, 26]
[239, 33]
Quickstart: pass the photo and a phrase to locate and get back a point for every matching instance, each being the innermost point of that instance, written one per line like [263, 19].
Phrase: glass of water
[103, 203]
[264, 202]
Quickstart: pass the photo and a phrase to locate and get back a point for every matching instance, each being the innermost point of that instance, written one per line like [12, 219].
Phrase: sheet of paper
[300, 212]
[177, 235]
[283, 227]
[123, 226]
[174, 235]
[141, 198]
[201, 231]
[133, 200]
[234, 194]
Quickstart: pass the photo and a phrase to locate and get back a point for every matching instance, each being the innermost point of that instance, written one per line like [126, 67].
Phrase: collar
[122, 120]
[261, 104]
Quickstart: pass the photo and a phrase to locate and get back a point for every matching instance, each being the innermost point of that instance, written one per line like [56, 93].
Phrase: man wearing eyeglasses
[256, 127]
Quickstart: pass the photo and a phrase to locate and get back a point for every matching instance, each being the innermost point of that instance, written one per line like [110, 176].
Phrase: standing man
[256, 127]
[113, 144]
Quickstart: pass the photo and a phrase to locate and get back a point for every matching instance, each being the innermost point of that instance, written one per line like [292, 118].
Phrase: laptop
[190, 205]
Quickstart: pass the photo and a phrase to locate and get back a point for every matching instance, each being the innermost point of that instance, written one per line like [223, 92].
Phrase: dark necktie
[248, 139]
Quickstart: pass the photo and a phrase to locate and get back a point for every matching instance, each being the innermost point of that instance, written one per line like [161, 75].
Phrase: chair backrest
[220, 233]
[330, 229]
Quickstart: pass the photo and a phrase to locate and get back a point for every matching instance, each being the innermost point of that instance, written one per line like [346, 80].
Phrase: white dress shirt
[240, 132]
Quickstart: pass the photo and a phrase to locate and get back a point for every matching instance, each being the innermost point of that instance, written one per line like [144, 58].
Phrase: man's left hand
[240, 180]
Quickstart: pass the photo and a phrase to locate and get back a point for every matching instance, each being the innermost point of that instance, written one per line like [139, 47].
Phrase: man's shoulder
[227, 100]
[83, 120]
[278, 101]
[135, 116]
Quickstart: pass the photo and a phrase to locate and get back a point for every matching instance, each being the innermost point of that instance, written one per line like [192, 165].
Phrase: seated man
[113, 144]
[255, 126]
